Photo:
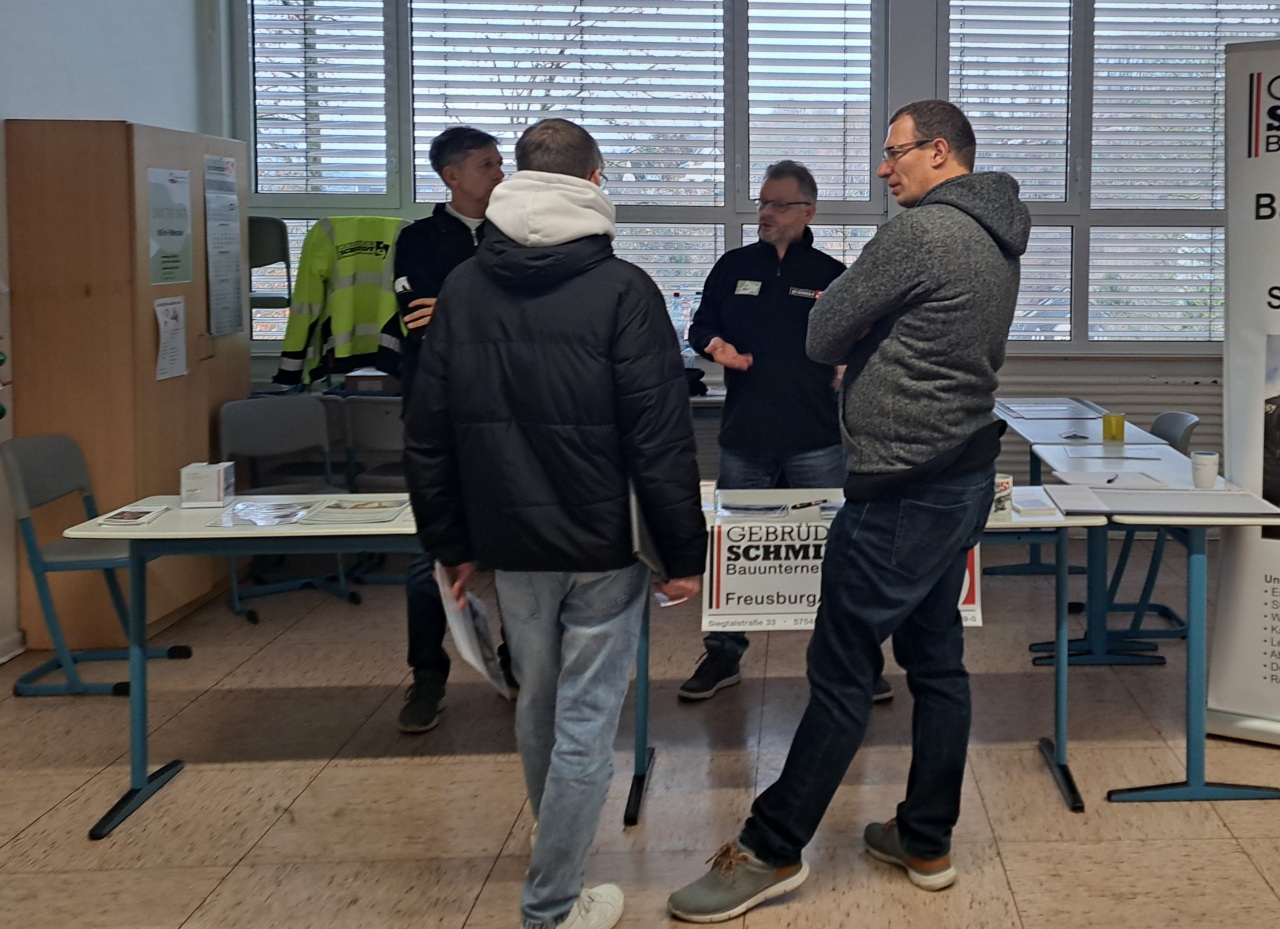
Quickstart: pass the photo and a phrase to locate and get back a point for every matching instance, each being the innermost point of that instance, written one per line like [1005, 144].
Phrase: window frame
[902, 68]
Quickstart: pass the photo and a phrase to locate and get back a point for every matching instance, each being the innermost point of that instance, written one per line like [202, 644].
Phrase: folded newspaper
[471, 635]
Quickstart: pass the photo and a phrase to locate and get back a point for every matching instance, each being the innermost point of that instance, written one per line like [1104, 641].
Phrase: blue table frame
[1195, 787]
[143, 784]
[1053, 750]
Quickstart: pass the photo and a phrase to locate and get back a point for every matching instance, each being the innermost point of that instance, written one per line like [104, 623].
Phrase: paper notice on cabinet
[222, 245]
[169, 221]
[171, 358]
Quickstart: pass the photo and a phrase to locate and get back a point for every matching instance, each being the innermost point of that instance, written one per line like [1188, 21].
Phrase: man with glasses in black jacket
[780, 426]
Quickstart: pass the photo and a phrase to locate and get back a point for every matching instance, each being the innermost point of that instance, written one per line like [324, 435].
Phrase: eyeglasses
[780, 206]
[893, 152]
[604, 178]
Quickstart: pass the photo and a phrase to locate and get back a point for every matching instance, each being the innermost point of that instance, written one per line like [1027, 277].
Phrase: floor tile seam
[13, 838]
[999, 847]
[1135, 843]
[493, 865]
[982, 798]
[121, 869]
[1275, 889]
[207, 897]
[396, 689]
[284, 810]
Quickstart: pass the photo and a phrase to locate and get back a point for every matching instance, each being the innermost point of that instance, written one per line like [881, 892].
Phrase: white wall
[156, 62]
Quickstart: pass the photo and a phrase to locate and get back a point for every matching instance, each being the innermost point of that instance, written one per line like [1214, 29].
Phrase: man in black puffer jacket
[550, 382]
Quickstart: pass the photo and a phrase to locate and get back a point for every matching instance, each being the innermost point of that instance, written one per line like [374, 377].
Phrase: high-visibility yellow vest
[343, 310]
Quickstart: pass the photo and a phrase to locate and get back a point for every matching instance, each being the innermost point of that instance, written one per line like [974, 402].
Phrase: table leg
[1195, 787]
[141, 786]
[644, 753]
[1097, 648]
[1054, 750]
[1033, 564]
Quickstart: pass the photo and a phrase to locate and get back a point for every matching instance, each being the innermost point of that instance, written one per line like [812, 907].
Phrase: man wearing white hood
[550, 381]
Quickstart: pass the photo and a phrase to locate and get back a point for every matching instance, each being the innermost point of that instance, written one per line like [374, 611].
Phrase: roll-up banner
[1244, 672]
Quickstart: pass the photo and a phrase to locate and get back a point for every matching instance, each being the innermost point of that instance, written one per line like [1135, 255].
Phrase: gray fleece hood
[991, 198]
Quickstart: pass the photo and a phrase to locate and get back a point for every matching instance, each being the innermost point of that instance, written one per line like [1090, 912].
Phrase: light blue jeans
[573, 640]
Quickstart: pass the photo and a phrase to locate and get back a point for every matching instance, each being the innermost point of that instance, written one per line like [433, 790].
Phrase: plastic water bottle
[677, 313]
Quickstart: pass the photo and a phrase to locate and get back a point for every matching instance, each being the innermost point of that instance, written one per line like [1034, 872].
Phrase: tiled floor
[302, 807]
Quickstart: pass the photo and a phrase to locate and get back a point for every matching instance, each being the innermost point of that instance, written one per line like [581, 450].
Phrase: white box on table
[210, 484]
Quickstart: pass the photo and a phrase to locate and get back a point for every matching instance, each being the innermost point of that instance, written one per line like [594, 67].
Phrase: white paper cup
[1204, 470]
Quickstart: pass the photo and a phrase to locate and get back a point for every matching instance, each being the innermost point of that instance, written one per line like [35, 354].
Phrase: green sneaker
[884, 843]
[423, 701]
[737, 881]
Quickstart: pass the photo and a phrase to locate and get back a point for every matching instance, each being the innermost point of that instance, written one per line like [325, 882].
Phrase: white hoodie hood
[536, 208]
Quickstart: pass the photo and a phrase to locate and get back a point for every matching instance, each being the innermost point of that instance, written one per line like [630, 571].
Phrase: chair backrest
[268, 241]
[41, 469]
[374, 424]
[1175, 427]
[268, 426]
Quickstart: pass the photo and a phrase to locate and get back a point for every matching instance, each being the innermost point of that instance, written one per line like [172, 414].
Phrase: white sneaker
[597, 908]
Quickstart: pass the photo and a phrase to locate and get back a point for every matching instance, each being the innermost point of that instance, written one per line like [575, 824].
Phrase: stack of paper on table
[1033, 501]
[1113, 479]
[356, 510]
[261, 513]
[136, 515]
[1231, 502]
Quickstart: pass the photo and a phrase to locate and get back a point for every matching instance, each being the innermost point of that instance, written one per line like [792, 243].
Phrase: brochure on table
[764, 567]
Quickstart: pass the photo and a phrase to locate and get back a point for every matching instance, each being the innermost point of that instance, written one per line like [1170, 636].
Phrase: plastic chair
[374, 427]
[278, 428]
[41, 469]
[375, 446]
[1174, 427]
[269, 245]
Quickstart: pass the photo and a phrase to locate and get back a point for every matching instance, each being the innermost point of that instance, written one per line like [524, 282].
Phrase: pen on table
[1112, 478]
[801, 506]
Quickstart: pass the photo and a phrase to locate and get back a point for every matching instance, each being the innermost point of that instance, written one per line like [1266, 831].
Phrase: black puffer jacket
[550, 377]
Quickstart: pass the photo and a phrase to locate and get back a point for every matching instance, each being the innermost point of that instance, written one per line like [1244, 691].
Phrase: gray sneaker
[884, 843]
[423, 701]
[737, 881]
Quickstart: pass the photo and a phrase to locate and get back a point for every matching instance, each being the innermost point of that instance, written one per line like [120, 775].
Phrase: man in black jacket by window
[550, 383]
[468, 162]
[780, 426]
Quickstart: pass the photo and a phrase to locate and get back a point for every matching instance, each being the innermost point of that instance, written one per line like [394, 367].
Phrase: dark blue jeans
[894, 567]
[822, 467]
[427, 621]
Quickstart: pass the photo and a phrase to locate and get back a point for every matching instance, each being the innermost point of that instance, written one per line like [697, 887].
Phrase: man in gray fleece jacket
[921, 321]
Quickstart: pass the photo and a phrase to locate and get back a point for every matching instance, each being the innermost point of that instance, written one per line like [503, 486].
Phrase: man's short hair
[454, 144]
[939, 119]
[558, 146]
[794, 169]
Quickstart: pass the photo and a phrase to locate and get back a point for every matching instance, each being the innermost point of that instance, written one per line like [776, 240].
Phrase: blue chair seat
[85, 553]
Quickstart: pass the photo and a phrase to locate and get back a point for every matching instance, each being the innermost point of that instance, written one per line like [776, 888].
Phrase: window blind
[1009, 73]
[646, 79]
[810, 91]
[1156, 283]
[1044, 298]
[1158, 118]
[319, 96]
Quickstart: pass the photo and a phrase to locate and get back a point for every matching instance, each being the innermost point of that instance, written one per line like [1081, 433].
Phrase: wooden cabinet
[85, 339]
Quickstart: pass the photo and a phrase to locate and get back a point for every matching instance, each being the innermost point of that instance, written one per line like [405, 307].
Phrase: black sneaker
[716, 670]
[882, 692]
[423, 701]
